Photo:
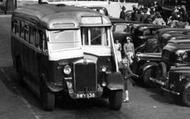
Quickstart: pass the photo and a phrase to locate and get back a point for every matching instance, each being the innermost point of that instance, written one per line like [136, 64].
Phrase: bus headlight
[104, 68]
[67, 69]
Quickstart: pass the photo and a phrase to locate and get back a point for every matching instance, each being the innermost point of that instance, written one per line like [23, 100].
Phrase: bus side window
[13, 26]
[16, 27]
[22, 30]
[26, 32]
[32, 35]
[37, 40]
[43, 41]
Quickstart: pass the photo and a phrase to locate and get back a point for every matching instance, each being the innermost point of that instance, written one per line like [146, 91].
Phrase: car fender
[187, 85]
[115, 81]
[164, 69]
[148, 65]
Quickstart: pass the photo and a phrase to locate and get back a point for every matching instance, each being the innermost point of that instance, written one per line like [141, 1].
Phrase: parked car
[171, 72]
[144, 60]
[142, 32]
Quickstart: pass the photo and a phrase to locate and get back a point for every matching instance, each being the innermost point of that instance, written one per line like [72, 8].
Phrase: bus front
[86, 59]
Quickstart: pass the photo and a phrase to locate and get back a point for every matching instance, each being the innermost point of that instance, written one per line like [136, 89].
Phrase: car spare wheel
[186, 95]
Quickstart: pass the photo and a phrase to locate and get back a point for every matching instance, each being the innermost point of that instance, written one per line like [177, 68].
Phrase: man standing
[122, 14]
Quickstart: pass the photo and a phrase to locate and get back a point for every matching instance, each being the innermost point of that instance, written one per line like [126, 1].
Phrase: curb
[2, 16]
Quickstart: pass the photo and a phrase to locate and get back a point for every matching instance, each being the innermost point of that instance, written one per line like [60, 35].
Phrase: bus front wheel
[47, 98]
[115, 99]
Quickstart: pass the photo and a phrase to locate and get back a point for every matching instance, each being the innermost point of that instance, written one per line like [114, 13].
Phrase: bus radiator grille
[85, 77]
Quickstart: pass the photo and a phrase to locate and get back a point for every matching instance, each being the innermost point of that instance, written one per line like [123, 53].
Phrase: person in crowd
[122, 14]
[118, 51]
[158, 19]
[133, 14]
[158, 8]
[151, 17]
[129, 49]
[138, 15]
[145, 16]
[127, 61]
[178, 18]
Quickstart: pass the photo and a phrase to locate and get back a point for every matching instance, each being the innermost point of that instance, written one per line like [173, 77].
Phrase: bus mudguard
[115, 81]
[54, 87]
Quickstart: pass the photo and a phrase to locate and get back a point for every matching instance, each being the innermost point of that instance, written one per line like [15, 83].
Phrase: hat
[123, 7]
[128, 38]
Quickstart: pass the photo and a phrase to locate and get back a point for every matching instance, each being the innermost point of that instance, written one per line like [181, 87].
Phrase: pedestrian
[145, 15]
[118, 51]
[126, 70]
[122, 14]
[133, 14]
[129, 49]
[158, 19]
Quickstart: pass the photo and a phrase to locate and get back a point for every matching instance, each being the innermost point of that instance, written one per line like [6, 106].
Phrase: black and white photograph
[94, 59]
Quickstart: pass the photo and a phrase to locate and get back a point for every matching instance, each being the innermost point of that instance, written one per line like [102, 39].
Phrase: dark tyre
[115, 99]
[186, 95]
[147, 75]
[148, 70]
[47, 98]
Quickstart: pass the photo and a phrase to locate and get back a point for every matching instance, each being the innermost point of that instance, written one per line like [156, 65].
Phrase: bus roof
[62, 16]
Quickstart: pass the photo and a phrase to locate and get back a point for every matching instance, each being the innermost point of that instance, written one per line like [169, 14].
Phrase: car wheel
[115, 99]
[186, 95]
[147, 75]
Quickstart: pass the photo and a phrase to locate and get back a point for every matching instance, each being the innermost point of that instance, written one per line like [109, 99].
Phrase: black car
[151, 54]
[172, 72]
[142, 32]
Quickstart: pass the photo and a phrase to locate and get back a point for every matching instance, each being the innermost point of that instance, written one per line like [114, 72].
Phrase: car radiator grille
[174, 77]
[85, 77]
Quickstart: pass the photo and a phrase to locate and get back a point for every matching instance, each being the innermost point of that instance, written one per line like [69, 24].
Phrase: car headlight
[179, 54]
[67, 69]
[138, 56]
[182, 56]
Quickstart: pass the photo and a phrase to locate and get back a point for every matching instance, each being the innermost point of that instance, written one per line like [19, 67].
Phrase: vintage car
[171, 68]
[150, 54]
[162, 31]
[142, 32]
[173, 73]
[165, 38]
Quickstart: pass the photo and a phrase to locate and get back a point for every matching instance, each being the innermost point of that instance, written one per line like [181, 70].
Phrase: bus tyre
[186, 95]
[47, 98]
[115, 99]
